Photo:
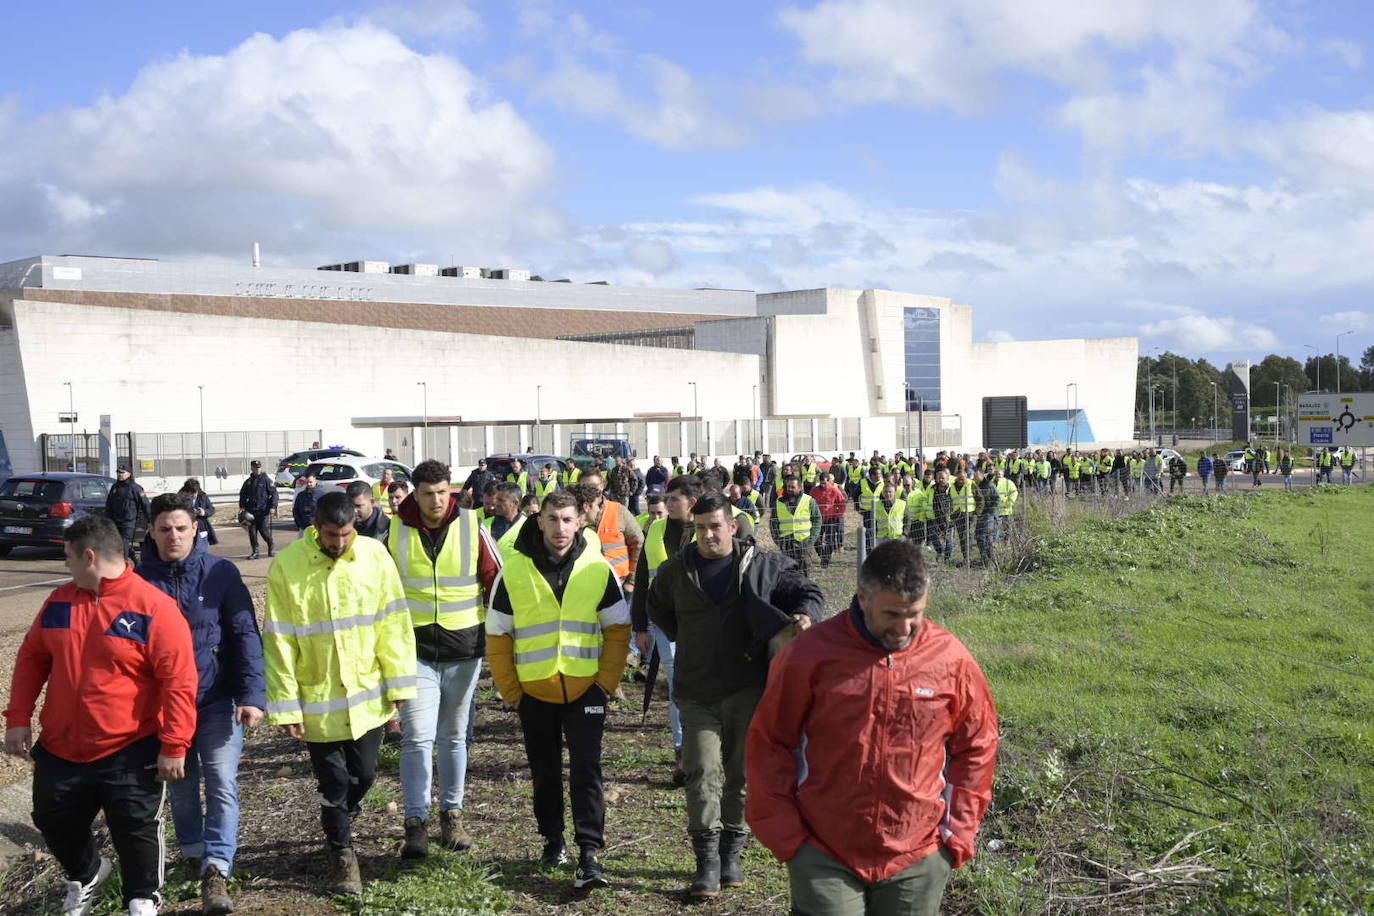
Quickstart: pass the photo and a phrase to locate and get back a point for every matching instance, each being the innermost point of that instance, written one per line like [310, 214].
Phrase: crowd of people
[786, 724]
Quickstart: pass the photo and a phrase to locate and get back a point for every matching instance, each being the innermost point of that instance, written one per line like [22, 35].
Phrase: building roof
[502, 321]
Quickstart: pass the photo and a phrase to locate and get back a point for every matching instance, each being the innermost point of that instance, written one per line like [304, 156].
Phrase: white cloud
[427, 18]
[324, 143]
[1194, 333]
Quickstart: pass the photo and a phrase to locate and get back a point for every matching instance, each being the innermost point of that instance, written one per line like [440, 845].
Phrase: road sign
[66, 418]
[1336, 419]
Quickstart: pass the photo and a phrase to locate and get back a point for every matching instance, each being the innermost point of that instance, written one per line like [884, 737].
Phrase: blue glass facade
[921, 328]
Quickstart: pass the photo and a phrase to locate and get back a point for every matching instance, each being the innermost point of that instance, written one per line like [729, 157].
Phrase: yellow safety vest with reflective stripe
[854, 473]
[446, 591]
[544, 487]
[869, 492]
[522, 481]
[795, 525]
[919, 507]
[553, 637]
[1071, 465]
[961, 499]
[889, 524]
[655, 550]
[507, 540]
[337, 640]
[808, 473]
[381, 497]
[1044, 469]
[1007, 494]
[567, 477]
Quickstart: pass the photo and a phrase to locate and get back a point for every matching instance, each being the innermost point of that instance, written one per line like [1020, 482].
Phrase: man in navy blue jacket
[231, 692]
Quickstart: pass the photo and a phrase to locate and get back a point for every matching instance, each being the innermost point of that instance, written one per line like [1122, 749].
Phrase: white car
[337, 473]
[1235, 460]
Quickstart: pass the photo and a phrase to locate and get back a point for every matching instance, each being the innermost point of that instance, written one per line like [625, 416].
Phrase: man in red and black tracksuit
[116, 655]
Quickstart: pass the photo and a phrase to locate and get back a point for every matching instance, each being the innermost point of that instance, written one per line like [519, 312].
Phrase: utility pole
[1338, 359]
[203, 475]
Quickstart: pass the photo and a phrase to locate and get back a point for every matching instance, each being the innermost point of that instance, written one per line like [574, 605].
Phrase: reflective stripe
[277, 707]
[425, 605]
[581, 651]
[543, 628]
[538, 655]
[610, 546]
[339, 704]
[452, 581]
[581, 626]
[337, 625]
[398, 683]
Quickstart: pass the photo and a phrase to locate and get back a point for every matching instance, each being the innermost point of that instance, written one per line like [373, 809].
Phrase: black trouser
[126, 533]
[831, 540]
[796, 551]
[262, 525]
[964, 523]
[344, 771]
[916, 531]
[67, 795]
[1175, 481]
[938, 537]
[580, 723]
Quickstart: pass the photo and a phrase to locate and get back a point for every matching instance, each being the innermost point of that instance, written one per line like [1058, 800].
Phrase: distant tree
[1367, 370]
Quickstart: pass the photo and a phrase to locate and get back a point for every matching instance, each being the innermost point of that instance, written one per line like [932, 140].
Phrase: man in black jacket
[371, 521]
[727, 604]
[127, 507]
[258, 497]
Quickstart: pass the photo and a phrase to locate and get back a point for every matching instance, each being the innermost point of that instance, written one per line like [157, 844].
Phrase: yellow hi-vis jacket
[553, 637]
[447, 591]
[795, 525]
[962, 499]
[1007, 494]
[655, 550]
[868, 492]
[507, 541]
[919, 506]
[889, 524]
[337, 640]
[544, 486]
[381, 497]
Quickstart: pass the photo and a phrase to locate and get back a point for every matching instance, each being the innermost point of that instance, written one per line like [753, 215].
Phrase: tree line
[1194, 382]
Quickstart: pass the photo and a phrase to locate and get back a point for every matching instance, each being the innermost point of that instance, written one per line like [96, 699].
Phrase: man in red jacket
[120, 712]
[870, 757]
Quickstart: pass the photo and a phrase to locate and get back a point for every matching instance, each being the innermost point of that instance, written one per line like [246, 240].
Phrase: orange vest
[613, 546]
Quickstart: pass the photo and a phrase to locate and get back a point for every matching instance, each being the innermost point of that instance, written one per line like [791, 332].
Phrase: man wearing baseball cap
[258, 497]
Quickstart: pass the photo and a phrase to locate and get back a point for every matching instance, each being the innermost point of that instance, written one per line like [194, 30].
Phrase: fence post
[862, 548]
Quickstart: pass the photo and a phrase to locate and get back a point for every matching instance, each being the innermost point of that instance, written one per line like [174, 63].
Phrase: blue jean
[439, 712]
[666, 648]
[210, 833]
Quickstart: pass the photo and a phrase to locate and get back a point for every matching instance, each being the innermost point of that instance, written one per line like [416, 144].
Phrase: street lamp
[424, 420]
[1317, 357]
[1069, 425]
[696, 413]
[1214, 412]
[71, 419]
[753, 427]
[1338, 359]
[204, 476]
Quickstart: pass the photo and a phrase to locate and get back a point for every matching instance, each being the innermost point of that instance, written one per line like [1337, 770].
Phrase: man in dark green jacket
[726, 604]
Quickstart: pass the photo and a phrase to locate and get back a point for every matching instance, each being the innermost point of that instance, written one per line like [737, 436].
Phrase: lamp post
[1338, 359]
[1214, 412]
[696, 413]
[1173, 364]
[1317, 357]
[753, 427]
[538, 413]
[424, 419]
[1070, 424]
[203, 474]
[921, 426]
[71, 420]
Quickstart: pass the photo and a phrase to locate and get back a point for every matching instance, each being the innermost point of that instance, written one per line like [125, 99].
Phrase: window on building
[921, 329]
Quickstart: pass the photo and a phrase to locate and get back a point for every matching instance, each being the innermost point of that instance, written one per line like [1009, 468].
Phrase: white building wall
[142, 367]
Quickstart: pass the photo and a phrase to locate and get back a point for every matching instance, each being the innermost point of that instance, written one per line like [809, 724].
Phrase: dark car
[500, 465]
[35, 509]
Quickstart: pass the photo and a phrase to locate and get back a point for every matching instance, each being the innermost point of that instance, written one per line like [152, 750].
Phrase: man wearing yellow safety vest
[519, 476]
[381, 488]
[545, 483]
[664, 538]
[728, 605]
[870, 488]
[796, 522]
[558, 634]
[654, 507]
[889, 516]
[920, 509]
[1007, 495]
[963, 506]
[504, 520]
[569, 473]
[331, 589]
[446, 560]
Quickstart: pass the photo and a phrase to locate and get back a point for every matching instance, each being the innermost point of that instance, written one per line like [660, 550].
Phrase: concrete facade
[305, 352]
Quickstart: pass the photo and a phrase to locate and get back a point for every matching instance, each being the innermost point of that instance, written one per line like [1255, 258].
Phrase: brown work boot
[344, 877]
[417, 839]
[451, 832]
[214, 894]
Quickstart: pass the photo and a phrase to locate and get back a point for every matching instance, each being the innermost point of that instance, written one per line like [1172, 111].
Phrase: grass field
[1185, 695]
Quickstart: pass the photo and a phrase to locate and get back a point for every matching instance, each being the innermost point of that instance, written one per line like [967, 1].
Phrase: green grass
[1194, 675]
[442, 884]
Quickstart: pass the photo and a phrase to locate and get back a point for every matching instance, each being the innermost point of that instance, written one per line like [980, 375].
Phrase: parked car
[294, 464]
[500, 465]
[35, 509]
[821, 462]
[337, 473]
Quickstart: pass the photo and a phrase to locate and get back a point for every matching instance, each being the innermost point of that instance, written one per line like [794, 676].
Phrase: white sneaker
[142, 906]
[81, 897]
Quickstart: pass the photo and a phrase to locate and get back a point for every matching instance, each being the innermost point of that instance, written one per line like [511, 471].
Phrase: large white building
[456, 366]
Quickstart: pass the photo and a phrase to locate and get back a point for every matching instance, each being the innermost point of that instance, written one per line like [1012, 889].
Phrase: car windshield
[33, 489]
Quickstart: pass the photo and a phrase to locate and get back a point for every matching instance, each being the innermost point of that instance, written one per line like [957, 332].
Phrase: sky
[1199, 175]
